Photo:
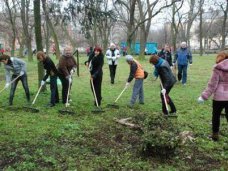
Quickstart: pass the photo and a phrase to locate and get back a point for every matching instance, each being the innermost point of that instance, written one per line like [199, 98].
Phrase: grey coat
[18, 66]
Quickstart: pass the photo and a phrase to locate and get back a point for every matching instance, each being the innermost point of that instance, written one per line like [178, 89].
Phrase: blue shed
[151, 47]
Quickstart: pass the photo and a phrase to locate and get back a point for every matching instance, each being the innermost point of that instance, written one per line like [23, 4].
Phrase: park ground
[86, 141]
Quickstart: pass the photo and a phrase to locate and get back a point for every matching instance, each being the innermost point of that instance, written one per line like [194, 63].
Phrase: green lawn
[87, 141]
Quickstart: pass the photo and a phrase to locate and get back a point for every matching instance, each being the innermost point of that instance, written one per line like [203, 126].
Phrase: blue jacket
[183, 56]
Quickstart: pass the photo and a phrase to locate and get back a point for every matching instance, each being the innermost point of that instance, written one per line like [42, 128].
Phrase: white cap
[112, 45]
[129, 58]
[183, 44]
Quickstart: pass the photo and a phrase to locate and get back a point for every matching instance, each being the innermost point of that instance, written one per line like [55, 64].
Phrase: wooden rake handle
[38, 92]
[121, 94]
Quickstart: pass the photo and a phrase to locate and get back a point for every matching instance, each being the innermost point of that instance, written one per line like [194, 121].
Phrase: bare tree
[201, 27]
[224, 8]
[26, 24]
[11, 9]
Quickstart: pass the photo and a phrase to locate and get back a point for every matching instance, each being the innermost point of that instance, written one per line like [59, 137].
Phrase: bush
[160, 136]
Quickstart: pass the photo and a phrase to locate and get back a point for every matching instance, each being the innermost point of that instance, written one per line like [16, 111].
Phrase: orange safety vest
[139, 72]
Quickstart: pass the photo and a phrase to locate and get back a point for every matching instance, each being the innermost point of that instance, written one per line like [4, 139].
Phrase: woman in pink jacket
[218, 86]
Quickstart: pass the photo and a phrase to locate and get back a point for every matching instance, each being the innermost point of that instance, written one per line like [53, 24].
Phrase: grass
[85, 141]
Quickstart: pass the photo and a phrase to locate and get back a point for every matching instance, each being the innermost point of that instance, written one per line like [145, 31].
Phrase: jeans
[24, 81]
[112, 69]
[182, 73]
[218, 106]
[137, 91]
[54, 90]
[169, 102]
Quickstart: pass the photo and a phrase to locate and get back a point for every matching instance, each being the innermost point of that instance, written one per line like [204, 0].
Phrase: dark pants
[218, 106]
[112, 69]
[24, 81]
[54, 90]
[182, 73]
[169, 102]
[97, 82]
[65, 87]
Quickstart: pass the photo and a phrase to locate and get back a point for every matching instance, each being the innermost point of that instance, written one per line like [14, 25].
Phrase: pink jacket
[218, 84]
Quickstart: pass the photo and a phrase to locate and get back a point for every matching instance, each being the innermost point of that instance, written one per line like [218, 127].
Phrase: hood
[222, 65]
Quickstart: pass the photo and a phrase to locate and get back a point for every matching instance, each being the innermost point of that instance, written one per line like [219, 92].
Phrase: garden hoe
[166, 104]
[67, 104]
[98, 109]
[114, 105]
[32, 109]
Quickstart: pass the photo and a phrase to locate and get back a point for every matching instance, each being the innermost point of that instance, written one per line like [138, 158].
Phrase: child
[218, 86]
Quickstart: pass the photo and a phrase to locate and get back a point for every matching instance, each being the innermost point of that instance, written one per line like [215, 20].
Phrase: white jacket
[111, 58]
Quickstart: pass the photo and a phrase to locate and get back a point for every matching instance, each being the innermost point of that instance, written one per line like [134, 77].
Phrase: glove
[70, 80]
[171, 67]
[72, 71]
[127, 84]
[7, 85]
[42, 83]
[200, 100]
[22, 73]
[163, 91]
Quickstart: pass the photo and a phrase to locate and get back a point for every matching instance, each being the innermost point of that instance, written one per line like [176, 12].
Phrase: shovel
[32, 109]
[114, 105]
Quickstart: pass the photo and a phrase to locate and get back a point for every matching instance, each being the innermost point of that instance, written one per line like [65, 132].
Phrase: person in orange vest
[137, 72]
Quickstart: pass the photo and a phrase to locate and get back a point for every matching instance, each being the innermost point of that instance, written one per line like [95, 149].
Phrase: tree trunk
[38, 37]
[224, 27]
[52, 30]
[201, 28]
[25, 24]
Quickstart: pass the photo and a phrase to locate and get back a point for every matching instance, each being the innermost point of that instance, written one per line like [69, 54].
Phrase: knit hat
[129, 58]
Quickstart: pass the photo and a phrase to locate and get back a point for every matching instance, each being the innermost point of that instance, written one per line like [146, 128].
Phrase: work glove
[72, 71]
[22, 73]
[70, 80]
[200, 100]
[127, 84]
[7, 85]
[163, 91]
[42, 83]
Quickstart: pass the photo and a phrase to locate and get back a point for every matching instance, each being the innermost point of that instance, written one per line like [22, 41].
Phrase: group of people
[66, 67]
[163, 64]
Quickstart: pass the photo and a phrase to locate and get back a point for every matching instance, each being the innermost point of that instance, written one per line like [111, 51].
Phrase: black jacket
[95, 65]
[166, 55]
[50, 68]
[133, 69]
[166, 75]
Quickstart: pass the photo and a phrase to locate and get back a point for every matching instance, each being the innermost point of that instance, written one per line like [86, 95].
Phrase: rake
[32, 109]
[67, 104]
[114, 105]
[98, 109]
